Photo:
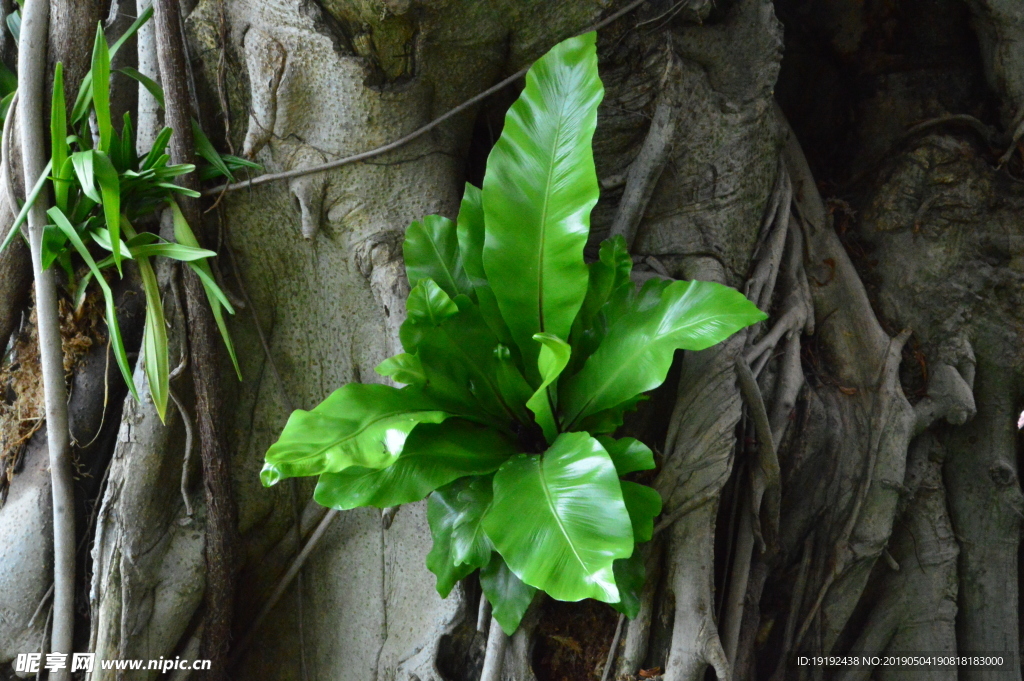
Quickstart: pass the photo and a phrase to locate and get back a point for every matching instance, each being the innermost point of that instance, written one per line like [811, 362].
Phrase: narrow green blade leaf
[554, 355]
[559, 520]
[643, 504]
[403, 368]
[116, 342]
[59, 139]
[441, 517]
[101, 88]
[433, 455]
[628, 454]
[538, 190]
[110, 192]
[431, 250]
[147, 82]
[214, 296]
[81, 108]
[205, 149]
[154, 338]
[358, 425]
[83, 163]
[637, 352]
[173, 251]
[508, 596]
[153, 158]
[23, 213]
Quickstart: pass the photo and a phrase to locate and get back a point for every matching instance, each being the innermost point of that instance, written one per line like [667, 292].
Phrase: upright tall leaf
[538, 190]
[554, 355]
[101, 88]
[81, 108]
[431, 250]
[154, 339]
[637, 351]
[470, 229]
[559, 520]
[59, 139]
[470, 233]
[110, 192]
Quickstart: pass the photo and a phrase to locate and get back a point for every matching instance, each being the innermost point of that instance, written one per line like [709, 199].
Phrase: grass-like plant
[520, 361]
[101, 188]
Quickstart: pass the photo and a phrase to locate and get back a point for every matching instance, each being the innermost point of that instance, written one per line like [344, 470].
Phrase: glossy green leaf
[628, 454]
[608, 275]
[607, 421]
[538, 190]
[461, 367]
[554, 355]
[512, 386]
[636, 354]
[358, 425]
[643, 504]
[559, 520]
[59, 139]
[218, 302]
[433, 455]
[441, 517]
[426, 307]
[101, 88]
[431, 250]
[470, 498]
[470, 232]
[116, 341]
[403, 368]
[508, 595]
[630, 574]
[470, 228]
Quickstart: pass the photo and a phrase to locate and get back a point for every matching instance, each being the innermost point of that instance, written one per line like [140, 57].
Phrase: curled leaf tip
[270, 475]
